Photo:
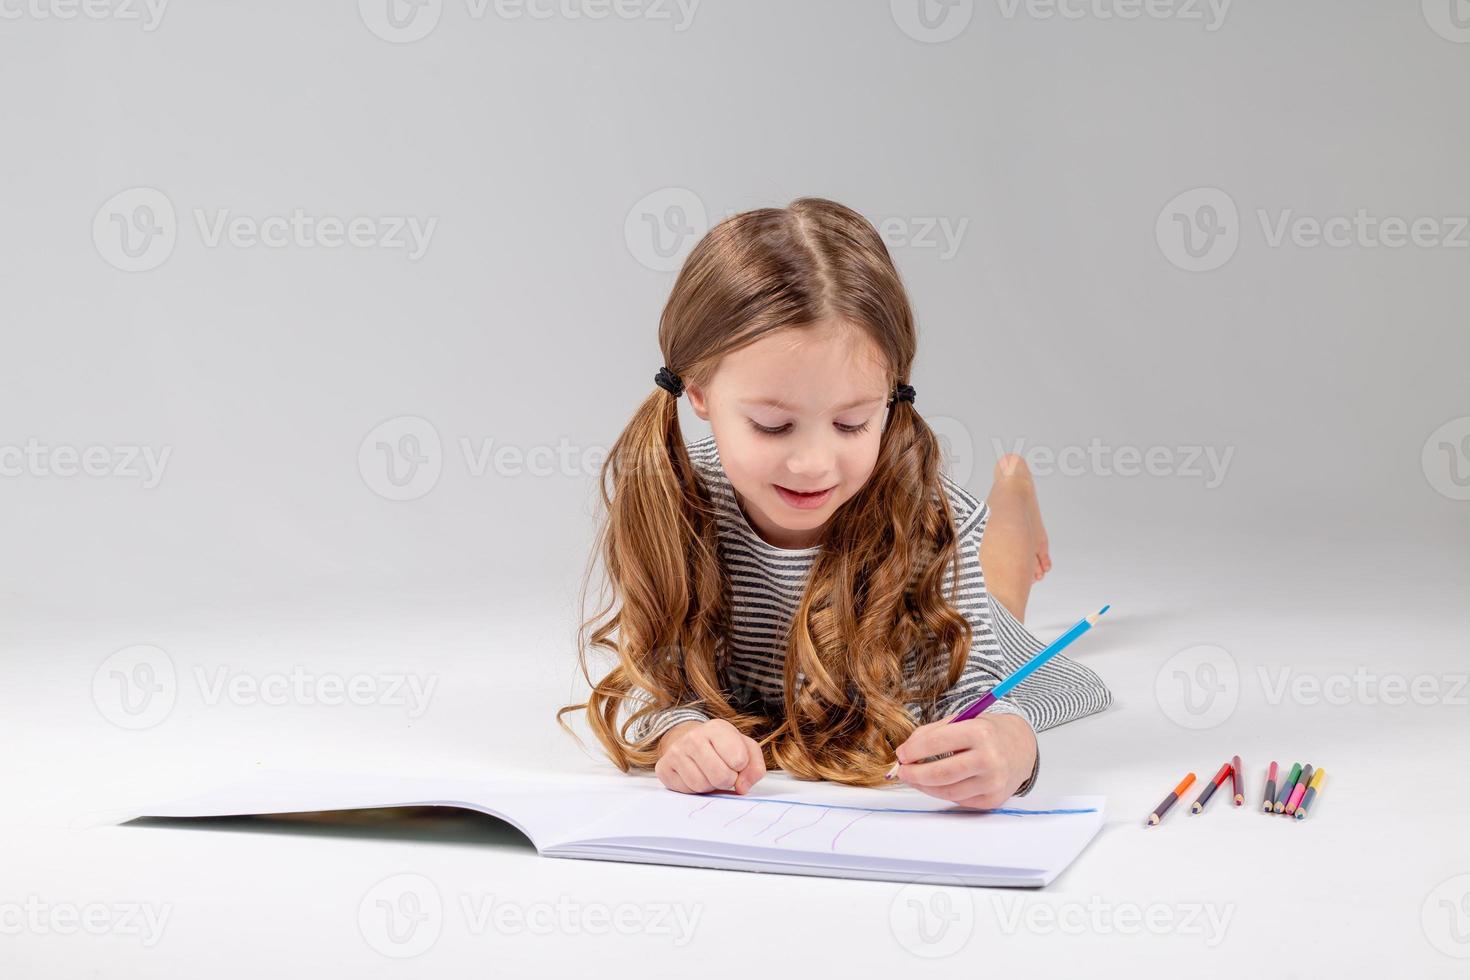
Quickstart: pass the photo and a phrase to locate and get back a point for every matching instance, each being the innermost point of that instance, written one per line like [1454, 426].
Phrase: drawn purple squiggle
[844, 829]
[774, 822]
[802, 827]
[742, 813]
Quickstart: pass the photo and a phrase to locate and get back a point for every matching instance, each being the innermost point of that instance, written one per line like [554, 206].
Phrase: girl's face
[798, 410]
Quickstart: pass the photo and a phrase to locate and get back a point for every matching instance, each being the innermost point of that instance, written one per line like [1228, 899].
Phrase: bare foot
[1038, 533]
[1011, 470]
[1015, 552]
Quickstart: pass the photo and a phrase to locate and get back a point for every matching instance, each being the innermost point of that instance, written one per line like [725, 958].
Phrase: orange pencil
[1162, 808]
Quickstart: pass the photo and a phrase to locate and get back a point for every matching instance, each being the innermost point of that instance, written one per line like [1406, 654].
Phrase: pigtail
[658, 543]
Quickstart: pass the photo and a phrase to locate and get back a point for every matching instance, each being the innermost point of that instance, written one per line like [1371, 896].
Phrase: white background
[1063, 153]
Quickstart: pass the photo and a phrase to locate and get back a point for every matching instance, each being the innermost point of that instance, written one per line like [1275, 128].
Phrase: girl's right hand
[700, 756]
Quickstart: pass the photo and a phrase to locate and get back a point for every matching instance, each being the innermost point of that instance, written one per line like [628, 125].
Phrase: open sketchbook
[786, 826]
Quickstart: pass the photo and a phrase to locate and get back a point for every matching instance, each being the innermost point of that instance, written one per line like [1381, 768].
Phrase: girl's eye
[851, 430]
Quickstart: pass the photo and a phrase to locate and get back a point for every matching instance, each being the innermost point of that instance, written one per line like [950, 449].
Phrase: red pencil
[1210, 788]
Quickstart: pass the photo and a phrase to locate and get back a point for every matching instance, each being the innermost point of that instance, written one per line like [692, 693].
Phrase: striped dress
[767, 583]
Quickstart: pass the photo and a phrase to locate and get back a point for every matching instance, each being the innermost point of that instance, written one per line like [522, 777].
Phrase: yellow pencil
[1311, 794]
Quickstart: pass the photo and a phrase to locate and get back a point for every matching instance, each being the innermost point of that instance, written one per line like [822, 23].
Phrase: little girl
[784, 589]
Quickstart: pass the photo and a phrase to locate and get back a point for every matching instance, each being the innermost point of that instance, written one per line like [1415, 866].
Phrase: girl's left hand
[993, 756]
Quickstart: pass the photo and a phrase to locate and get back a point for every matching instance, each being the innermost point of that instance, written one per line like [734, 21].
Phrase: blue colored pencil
[1024, 671]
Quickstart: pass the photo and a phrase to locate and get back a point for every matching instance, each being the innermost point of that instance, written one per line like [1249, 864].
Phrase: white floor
[1228, 892]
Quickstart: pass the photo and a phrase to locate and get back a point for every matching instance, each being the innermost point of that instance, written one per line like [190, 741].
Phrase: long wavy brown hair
[873, 630]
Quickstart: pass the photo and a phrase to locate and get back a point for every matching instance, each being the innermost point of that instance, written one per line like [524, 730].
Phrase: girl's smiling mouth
[804, 501]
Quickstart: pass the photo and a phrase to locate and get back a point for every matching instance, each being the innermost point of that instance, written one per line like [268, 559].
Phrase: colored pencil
[1287, 785]
[1270, 801]
[1300, 791]
[1004, 687]
[1163, 807]
[1210, 788]
[1307, 800]
[1237, 782]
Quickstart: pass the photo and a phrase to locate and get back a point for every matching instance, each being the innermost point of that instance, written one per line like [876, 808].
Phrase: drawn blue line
[1015, 811]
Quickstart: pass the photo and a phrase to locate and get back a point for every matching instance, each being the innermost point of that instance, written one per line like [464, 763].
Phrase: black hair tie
[904, 393]
[669, 381]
